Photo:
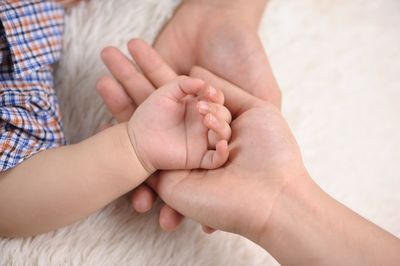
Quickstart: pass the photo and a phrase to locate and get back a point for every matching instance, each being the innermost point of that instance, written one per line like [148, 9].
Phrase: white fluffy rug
[338, 65]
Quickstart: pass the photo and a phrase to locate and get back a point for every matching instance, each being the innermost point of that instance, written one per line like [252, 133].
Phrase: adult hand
[263, 192]
[264, 160]
[256, 120]
[122, 101]
[249, 66]
[220, 36]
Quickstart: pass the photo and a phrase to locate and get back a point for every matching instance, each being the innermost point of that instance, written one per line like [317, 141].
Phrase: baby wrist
[112, 153]
[147, 166]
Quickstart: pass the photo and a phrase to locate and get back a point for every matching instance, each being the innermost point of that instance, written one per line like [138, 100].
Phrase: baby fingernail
[213, 120]
[212, 91]
[203, 107]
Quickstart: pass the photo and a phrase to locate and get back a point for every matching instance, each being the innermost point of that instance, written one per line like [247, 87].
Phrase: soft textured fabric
[338, 66]
[30, 42]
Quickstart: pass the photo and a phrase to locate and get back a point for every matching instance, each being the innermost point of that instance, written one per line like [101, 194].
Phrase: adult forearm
[60, 186]
[308, 227]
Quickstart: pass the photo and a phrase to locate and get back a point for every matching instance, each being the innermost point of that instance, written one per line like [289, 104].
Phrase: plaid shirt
[30, 42]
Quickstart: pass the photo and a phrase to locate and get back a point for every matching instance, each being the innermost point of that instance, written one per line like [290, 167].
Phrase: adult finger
[170, 220]
[115, 98]
[151, 63]
[124, 71]
[182, 192]
[143, 198]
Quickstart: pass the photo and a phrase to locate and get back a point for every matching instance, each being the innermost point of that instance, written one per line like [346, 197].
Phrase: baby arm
[59, 186]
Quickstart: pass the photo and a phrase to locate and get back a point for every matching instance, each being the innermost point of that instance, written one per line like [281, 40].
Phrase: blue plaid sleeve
[30, 42]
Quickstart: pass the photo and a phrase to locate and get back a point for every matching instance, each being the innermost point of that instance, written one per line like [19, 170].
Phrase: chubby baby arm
[172, 129]
[57, 187]
[182, 125]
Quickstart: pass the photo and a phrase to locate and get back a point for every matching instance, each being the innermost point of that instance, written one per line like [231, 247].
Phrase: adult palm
[198, 34]
[262, 148]
[216, 38]
[264, 158]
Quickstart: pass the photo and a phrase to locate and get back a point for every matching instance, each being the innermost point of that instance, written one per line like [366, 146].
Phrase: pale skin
[185, 41]
[207, 33]
[290, 215]
[168, 131]
[263, 192]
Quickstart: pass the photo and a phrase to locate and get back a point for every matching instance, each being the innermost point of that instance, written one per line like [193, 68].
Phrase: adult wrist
[264, 203]
[305, 226]
[308, 227]
[287, 220]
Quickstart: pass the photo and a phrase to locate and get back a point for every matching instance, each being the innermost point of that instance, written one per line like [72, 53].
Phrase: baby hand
[174, 129]
[214, 108]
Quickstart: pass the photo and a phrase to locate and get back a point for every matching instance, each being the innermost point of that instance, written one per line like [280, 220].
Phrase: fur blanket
[338, 66]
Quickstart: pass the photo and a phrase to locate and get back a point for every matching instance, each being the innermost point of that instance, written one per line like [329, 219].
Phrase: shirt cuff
[29, 123]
